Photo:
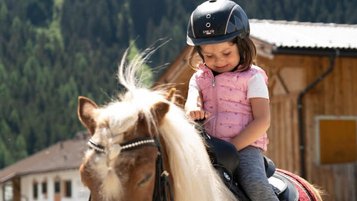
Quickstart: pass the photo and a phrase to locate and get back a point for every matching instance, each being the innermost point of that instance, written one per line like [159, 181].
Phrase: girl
[229, 91]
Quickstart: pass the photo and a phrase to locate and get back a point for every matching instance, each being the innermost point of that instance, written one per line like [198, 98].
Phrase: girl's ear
[198, 49]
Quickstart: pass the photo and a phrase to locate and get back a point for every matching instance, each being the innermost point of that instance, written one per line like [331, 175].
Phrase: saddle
[224, 157]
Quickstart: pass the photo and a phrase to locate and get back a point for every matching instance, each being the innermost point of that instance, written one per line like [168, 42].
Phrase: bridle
[162, 190]
[124, 147]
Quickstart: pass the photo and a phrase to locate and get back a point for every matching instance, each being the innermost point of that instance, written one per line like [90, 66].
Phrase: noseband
[162, 190]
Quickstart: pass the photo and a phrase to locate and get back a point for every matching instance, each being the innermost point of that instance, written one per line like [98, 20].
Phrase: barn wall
[178, 74]
[334, 95]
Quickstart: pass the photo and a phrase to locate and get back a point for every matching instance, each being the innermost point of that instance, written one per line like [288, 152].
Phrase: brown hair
[247, 53]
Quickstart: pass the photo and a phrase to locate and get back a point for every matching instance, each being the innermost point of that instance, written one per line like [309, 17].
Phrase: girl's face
[221, 57]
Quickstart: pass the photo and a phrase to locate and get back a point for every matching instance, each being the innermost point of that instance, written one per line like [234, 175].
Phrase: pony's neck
[193, 174]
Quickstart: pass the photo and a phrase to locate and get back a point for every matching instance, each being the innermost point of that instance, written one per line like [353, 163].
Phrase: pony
[142, 146]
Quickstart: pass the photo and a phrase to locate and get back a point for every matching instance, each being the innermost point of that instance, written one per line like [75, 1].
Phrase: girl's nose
[218, 61]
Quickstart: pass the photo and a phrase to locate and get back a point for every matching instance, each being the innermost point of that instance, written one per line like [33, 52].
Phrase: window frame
[318, 118]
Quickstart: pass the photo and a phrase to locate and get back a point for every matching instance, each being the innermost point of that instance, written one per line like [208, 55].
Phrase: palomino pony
[142, 147]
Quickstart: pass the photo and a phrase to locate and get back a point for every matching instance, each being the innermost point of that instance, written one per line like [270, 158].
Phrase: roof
[61, 156]
[292, 34]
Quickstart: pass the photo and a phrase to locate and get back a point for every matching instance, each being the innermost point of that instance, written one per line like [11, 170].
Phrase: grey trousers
[252, 177]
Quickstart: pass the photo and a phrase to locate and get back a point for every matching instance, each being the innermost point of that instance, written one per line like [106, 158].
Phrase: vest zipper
[216, 107]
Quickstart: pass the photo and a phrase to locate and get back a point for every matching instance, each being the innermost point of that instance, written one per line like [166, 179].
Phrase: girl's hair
[247, 53]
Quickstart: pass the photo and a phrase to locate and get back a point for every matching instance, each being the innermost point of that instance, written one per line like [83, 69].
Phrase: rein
[162, 190]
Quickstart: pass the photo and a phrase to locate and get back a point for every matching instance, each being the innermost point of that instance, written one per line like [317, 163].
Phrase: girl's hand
[198, 114]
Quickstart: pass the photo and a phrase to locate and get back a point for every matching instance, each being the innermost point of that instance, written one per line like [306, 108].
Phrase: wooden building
[312, 69]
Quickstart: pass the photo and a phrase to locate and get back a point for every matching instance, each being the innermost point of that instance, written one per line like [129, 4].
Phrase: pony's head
[131, 132]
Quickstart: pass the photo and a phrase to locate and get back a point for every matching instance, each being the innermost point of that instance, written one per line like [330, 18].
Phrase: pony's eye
[146, 178]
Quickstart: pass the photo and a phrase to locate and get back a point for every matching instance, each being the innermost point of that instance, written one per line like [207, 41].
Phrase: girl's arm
[193, 105]
[257, 127]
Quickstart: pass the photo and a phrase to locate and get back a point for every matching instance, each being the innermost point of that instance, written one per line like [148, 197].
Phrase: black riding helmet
[216, 21]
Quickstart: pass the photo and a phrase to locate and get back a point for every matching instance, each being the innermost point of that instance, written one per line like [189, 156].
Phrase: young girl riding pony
[229, 91]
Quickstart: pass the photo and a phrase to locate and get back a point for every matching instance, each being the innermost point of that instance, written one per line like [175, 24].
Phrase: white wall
[1, 192]
[79, 191]
[5, 187]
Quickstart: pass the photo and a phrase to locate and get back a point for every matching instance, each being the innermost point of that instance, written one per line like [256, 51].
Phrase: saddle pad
[305, 192]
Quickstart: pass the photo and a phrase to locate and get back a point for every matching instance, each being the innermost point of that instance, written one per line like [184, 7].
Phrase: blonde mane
[193, 174]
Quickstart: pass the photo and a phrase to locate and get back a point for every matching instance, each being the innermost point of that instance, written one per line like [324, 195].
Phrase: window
[35, 190]
[68, 188]
[57, 187]
[44, 188]
[337, 139]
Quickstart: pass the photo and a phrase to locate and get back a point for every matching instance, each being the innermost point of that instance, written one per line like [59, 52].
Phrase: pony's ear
[170, 96]
[85, 111]
[159, 110]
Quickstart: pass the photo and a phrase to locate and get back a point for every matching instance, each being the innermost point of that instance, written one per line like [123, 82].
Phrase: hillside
[52, 51]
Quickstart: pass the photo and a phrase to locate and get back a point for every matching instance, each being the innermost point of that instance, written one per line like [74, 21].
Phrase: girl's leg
[252, 177]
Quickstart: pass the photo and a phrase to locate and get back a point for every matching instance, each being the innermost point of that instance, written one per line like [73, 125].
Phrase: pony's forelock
[129, 72]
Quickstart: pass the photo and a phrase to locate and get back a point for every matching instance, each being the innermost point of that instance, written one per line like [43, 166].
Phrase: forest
[52, 51]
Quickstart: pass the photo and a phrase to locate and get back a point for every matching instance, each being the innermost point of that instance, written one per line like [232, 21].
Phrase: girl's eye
[226, 54]
[208, 56]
